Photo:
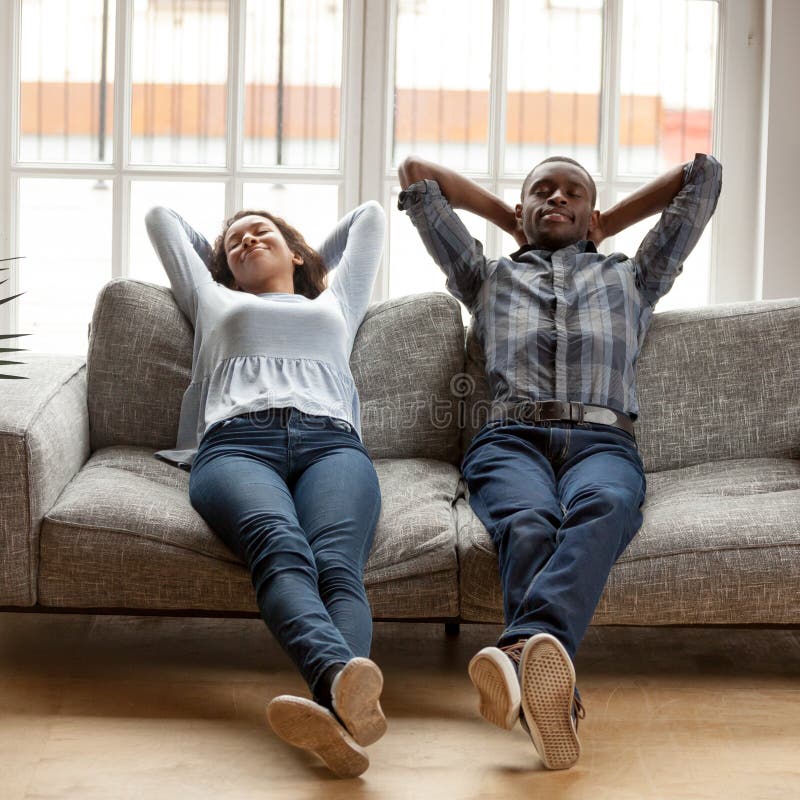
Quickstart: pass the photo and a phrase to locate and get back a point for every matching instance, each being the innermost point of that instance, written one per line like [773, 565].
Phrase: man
[555, 475]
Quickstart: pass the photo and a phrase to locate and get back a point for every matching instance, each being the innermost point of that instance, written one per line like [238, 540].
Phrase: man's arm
[659, 259]
[452, 247]
[652, 198]
[462, 193]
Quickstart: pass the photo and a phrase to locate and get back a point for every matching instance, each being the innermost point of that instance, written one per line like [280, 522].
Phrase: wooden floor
[131, 707]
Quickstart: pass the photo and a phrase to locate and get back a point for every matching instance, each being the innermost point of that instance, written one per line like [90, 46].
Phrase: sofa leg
[452, 628]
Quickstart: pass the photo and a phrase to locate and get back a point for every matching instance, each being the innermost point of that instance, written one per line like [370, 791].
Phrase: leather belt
[558, 411]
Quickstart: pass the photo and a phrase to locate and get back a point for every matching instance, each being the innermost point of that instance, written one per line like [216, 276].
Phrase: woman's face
[258, 255]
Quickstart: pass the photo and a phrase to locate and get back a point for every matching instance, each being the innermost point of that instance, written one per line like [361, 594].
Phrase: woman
[269, 428]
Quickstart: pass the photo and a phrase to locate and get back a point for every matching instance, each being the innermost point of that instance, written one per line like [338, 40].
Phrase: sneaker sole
[493, 675]
[305, 724]
[356, 695]
[548, 685]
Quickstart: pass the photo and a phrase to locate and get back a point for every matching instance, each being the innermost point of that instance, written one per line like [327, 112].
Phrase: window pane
[667, 80]
[201, 204]
[691, 287]
[442, 71]
[411, 269]
[313, 210]
[179, 63]
[553, 82]
[293, 71]
[66, 88]
[65, 230]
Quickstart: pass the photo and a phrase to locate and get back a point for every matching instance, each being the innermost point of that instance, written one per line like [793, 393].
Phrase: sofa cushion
[404, 358]
[123, 535]
[720, 382]
[720, 544]
[138, 365]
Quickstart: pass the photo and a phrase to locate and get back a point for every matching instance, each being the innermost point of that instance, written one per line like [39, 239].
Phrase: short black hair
[568, 161]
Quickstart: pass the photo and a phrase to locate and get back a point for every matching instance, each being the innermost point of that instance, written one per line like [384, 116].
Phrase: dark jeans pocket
[341, 425]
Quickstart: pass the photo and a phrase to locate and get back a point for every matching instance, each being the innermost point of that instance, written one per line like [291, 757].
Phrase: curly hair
[309, 277]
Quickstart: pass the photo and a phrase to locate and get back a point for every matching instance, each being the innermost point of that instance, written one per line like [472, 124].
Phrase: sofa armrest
[44, 441]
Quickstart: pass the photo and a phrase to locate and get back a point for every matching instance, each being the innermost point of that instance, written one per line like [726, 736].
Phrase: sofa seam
[133, 535]
[413, 301]
[796, 305]
[671, 554]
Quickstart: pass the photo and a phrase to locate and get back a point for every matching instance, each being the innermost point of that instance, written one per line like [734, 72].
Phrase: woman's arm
[463, 193]
[354, 249]
[652, 198]
[183, 253]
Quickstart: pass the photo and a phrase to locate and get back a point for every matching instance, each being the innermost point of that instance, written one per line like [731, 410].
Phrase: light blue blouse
[273, 350]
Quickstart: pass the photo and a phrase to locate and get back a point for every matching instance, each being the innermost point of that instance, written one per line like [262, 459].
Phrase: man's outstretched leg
[600, 485]
[513, 492]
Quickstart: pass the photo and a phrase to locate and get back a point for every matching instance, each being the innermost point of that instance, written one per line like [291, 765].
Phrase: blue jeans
[296, 497]
[561, 502]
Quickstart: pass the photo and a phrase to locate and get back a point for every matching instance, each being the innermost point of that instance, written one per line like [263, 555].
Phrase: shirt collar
[582, 246]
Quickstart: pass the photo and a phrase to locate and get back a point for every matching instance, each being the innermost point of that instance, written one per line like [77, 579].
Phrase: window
[626, 87]
[307, 107]
[202, 105]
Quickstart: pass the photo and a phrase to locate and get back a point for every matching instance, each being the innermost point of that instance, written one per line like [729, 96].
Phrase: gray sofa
[91, 520]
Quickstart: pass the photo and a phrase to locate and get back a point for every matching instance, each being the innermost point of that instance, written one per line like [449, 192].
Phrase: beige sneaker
[550, 710]
[493, 672]
[355, 695]
[308, 725]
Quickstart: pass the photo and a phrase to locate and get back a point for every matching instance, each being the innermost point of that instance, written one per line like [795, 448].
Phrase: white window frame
[122, 172]
[733, 235]
[368, 59]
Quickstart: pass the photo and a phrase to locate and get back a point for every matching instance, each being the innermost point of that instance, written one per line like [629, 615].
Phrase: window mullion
[123, 94]
[610, 100]
[9, 136]
[235, 106]
[379, 30]
[497, 110]
[352, 80]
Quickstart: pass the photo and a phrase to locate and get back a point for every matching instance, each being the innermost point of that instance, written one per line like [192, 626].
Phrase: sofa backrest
[714, 383]
[405, 356]
[720, 382]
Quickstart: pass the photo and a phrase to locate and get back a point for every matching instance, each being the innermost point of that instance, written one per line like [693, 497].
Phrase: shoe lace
[514, 651]
[578, 711]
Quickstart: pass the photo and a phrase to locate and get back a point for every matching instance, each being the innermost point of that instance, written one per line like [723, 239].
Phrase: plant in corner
[10, 335]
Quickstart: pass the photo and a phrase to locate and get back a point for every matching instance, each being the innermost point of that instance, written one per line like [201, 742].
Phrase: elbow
[410, 171]
[372, 210]
[155, 215]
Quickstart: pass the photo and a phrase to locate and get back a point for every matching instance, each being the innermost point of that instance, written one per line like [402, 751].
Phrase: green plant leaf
[9, 299]
[11, 335]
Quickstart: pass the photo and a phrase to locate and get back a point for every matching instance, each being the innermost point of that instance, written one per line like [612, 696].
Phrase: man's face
[556, 205]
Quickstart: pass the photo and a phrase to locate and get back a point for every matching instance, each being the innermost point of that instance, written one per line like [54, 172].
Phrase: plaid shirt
[565, 325]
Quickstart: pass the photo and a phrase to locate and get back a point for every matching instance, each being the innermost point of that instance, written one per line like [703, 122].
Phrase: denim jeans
[296, 497]
[561, 502]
